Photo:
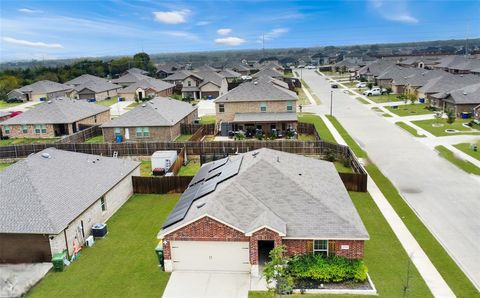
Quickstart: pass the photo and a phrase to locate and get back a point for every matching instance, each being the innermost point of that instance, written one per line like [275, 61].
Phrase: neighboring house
[146, 88]
[129, 78]
[55, 118]
[372, 70]
[263, 103]
[158, 119]
[230, 74]
[205, 68]
[41, 90]
[459, 65]
[92, 87]
[236, 210]
[85, 78]
[460, 101]
[135, 70]
[242, 69]
[476, 113]
[269, 72]
[395, 77]
[4, 115]
[51, 200]
[199, 84]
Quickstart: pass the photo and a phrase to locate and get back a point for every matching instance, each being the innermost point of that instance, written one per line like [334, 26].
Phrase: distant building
[41, 90]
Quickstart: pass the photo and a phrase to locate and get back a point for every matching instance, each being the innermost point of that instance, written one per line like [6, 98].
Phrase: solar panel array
[204, 182]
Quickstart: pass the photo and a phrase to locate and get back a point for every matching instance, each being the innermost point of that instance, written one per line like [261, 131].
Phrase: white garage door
[210, 256]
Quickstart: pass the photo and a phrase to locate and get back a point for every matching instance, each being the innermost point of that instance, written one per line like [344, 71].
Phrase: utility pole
[331, 102]
[466, 39]
[263, 45]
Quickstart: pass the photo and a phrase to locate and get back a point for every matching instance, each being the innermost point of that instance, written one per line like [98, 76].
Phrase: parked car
[375, 91]
[310, 67]
[361, 85]
[301, 66]
[15, 113]
[335, 86]
[14, 100]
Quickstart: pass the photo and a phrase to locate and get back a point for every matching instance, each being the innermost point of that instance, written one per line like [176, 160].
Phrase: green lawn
[410, 129]
[207, 119]
[18, 141]
[146, 168]
[384, 98]
[386, 115]
[319, 125]
[302, 97]
[4, 104]
[341, 168]
[183, 137]
[362, 100]
[465, 147]
[133, 105]
[305, 137]
[462, 164]
[410, 109]
[107, 102]
[348, 139]
[4, 165]
[95, 140]
[440, 131]
[190, 169]
[350, 84]
[124, 263]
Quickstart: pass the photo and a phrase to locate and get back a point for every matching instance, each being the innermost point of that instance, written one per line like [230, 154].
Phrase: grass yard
[319, 126]
[305, 137]
[19, 141]
[440, 131]
[183, 137]
[465, 147]
[190, 169]
[207, 119]
[359, 152]
[4, 165]
[462, 164]
[384, 98]
[410, 129]
[4, 104]
[124, 263]
[362, 100]
[350, 84]
[302, 97]
[341, 168]
[107, 102]
[133, 105]
[410, 109]
[146, 168]
[95, 140]
[377, 110]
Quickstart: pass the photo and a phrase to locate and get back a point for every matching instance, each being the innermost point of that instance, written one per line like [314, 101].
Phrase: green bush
[327, 269]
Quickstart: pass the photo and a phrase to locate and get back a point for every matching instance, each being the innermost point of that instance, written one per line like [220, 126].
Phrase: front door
[264, 248]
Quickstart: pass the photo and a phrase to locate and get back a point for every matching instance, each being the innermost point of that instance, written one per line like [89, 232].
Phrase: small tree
[277, 275]
[412, 98]
[388, 90]
[438, 116]
[369, 85]
[450, 116]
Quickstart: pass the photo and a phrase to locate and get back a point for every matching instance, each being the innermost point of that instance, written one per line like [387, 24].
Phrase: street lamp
[331, 102]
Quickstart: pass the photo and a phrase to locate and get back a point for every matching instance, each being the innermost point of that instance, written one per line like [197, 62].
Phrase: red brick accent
[263, 234]
[355, 250]
[204, 229]
[296, 247]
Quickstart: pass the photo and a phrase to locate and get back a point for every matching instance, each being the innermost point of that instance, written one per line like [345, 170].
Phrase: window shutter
[309, 246]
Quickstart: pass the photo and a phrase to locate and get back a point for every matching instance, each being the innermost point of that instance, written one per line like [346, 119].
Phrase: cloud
[183, 34]
[172, 17]
[274, 33]
[393, 11]
[28, 10]
[224, 31]
[203, 23]
[32, 44]
[230, 41]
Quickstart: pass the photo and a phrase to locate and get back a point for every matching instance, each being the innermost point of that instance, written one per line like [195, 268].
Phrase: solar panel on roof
[218, 163]
[201, 174]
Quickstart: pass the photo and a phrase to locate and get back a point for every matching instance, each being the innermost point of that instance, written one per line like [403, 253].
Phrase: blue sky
[65, 29]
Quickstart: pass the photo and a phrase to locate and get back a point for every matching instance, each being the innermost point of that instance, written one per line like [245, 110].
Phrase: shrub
[327, 269]
[239, 136]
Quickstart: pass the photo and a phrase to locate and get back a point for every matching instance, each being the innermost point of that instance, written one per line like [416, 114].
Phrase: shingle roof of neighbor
[448, 83]
[264, 88]
[150, 83]
[269, 72]
[160, 111]
[41, 195]
[83, 79]
[229, 73]
[182, 75]
[130, 77]
[210, 76]
[97, 86]
[61, 110]
[298, 196]
[44, 86]
[467, 95]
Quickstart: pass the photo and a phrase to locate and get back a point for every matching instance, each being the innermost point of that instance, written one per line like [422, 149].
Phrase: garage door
[210, 256]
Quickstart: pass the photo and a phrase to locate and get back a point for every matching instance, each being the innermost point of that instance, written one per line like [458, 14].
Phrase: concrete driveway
[207, 284]
[17, 279]
[206, 107]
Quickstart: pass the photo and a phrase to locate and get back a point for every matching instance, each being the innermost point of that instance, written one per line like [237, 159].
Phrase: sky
[68, 29]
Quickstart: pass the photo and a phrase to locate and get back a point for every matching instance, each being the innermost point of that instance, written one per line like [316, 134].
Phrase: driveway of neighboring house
[118, 108]
[17, 279]
[445, 198]
[207, 284]
[206, 107]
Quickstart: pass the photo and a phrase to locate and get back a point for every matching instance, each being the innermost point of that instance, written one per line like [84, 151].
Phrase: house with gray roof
[51, 200]
[83, 79]
[263, 103]
[92, 87]
[235, 210]
[41, 90]
[159, 119]
[146, 88]
[199, 84]
[269, 72]
[129, 78]
[55, 118]
[462, 100]
[373, 69]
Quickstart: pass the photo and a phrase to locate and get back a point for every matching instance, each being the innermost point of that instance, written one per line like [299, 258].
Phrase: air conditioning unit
[89, 241]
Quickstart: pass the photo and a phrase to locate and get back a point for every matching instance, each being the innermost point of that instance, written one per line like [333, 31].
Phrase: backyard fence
[198, 135]
[160, 185]
[308, 128]
[177, 165]
[81, 136]
[188, 129]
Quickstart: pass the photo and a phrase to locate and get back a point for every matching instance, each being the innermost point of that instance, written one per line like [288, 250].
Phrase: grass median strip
[359, 152]
[362, 100]
[320, 126]
[410, 129]
[467, 148]
[462, 164]
[315, 97]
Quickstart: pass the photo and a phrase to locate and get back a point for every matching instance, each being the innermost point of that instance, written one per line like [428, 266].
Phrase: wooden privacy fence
[354, 181]
[160, 185]
[198, 135]
[177, 165]
[188, 129]
[81, 136]
[308, 128]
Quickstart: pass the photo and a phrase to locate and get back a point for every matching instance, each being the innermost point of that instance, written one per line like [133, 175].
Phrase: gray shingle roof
[262, 89]
[210, 76]
[447, 83]
[130, 78]
[148, 83]
[137, 71]
[160, 111]
[182, 75]
[229, 73]
[84, 79]
[298, 196]
[375, 68]
[268, 72]
[42, 195]
[265, 117]
[97, 86]
[44, 86]
[467, 95]
[61, 110]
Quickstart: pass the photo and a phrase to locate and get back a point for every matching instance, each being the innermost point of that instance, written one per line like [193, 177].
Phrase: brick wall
[297, 247]
[263, 234]
[354, 251]
[100, 118]
[16, 132]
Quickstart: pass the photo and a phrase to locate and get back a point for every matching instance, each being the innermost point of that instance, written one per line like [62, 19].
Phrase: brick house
[264, 103]
[131, 76]
[199, 84]
[41, 90]
[460, 101]
[63, 194]
[55, 118]
[237, 209]
[92, 87]
[147, 87]
[158, 119]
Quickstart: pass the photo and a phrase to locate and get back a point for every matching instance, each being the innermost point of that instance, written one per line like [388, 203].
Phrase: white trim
[249, 233]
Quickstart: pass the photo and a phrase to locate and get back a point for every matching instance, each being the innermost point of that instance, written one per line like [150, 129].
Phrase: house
[4, 115]
[199, 84]
[205, 67]
[51, 200]
[372, 70]
[230, 74]
[264, 103]
[135, 70]
[269, 72]
[158, 119]
[85, 78]
[92, 87]
[129, 78]
[235, 210]
[459, 65]
[395, 77]
[41, 90]
[55, 118]
[463, 100]
[146, 88]
[242, 69]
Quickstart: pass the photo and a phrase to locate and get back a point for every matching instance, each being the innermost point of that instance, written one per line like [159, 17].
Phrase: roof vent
[278, 158]
[49, 102]
[464, 93]
[200, 205]
[255, 83]
[254, 154]
[46, 155]
[144, 105]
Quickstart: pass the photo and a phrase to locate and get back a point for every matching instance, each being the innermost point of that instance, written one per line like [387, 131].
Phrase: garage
[210, 256]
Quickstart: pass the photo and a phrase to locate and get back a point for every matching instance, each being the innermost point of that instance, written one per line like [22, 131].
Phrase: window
[40, 128]
[320, 247]
[263, 107]
[142, 132]
[146, 132]
[95, 118]
[189, 83]
[289, 106]
[116, 131]
[102, 204]
[7, 129]
[138, 132]
[221, 107]
[24, 128]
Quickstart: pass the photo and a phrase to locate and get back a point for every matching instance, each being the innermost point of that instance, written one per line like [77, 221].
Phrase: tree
[276, 272]
[411, 97]
[369, 85]
[438, 116]
[141, 60]
[388, 90]
[7, 84]
[450, 116]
